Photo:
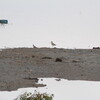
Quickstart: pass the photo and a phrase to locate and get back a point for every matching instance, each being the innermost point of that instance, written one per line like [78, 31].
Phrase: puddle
[61, 88]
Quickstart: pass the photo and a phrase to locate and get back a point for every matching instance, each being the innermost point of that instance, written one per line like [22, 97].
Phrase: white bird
[53, 44]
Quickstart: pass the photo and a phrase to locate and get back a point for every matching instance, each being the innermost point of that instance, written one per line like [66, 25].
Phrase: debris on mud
[58, 60]
[96, 47]
[29, 78]
[46, 58]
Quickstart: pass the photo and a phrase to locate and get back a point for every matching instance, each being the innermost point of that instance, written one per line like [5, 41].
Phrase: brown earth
[20, 67]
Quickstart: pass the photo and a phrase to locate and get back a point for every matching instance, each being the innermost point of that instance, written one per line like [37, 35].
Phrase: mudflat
[21, 67]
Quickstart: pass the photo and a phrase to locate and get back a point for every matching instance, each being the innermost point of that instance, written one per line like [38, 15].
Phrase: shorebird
[53, 44]
[34, 46]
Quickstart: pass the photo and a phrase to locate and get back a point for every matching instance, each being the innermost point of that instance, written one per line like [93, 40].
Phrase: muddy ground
[20, 67]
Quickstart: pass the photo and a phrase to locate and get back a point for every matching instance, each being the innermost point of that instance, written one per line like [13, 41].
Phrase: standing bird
[53, 44]
[34, 46]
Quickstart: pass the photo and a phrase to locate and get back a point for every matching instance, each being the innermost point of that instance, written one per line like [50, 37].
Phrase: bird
[53, 44]
[34, 46]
